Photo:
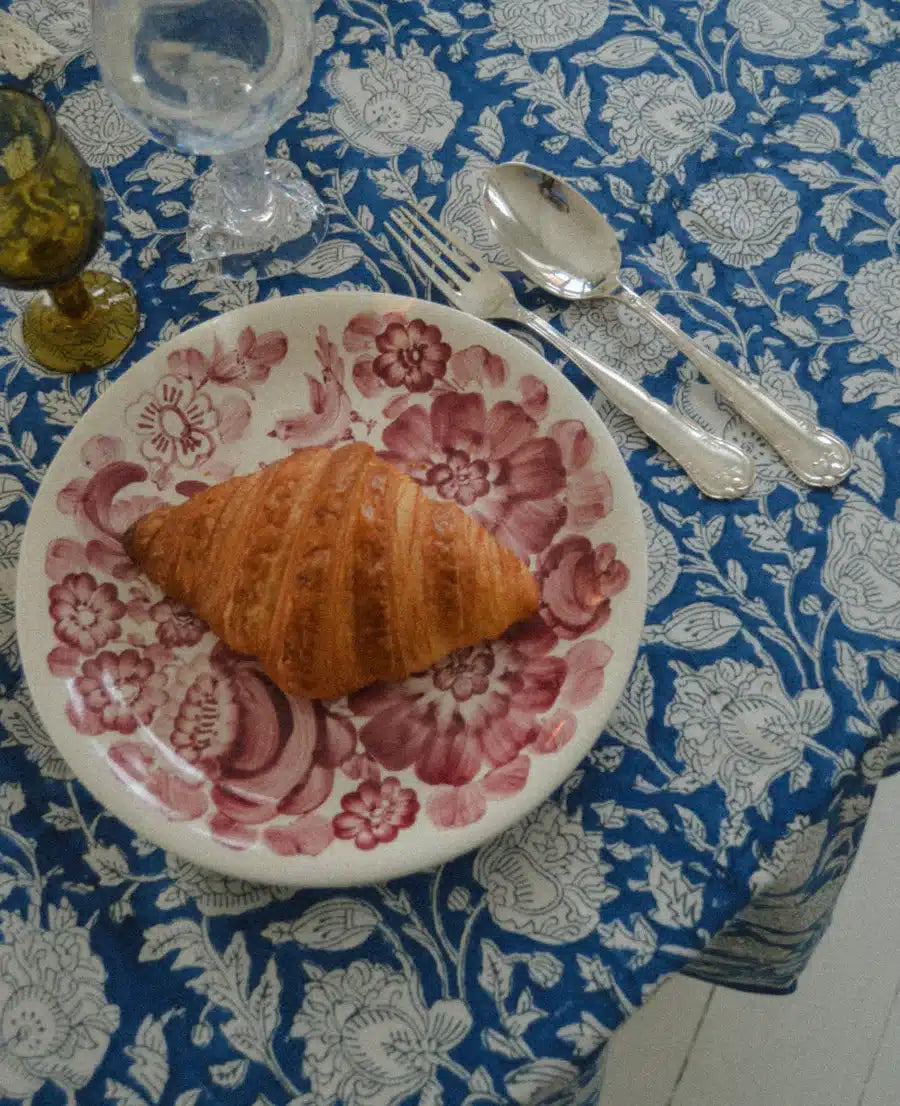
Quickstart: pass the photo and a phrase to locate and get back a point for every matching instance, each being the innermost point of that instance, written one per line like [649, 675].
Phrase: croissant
[334, 570]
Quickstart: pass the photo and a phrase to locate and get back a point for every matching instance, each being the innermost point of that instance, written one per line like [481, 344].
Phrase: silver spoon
[563, 243]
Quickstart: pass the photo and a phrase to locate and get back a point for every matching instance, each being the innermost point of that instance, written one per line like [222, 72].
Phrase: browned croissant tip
[128, 539]
[533, 600]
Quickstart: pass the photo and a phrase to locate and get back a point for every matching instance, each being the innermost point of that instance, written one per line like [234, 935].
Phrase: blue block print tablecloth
[747, 153]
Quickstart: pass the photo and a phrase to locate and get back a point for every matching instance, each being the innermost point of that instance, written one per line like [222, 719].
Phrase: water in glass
[217, 77]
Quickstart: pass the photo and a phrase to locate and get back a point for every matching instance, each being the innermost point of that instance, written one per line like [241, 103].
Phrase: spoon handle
[718, 468]
[816, 456]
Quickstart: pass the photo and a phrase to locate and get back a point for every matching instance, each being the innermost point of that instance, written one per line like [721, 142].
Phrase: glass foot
[250, 244]
[98, 324]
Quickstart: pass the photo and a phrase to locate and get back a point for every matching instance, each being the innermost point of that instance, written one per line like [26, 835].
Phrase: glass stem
[72, 298]
[242, 176]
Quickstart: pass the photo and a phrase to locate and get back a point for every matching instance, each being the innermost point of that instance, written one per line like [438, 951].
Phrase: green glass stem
[72, 298]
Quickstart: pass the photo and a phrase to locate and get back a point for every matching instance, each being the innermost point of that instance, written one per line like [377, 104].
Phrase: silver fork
[718, 468]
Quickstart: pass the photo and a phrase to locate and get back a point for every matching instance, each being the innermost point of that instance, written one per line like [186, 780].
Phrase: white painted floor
[836, 1042]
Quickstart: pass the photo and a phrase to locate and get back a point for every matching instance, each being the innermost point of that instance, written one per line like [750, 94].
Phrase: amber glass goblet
[51, 223]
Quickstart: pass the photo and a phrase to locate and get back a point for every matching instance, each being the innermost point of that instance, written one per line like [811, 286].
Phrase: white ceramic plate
[190, 744]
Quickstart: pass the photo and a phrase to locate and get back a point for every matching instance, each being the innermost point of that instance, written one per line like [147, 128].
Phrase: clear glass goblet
[217, 77]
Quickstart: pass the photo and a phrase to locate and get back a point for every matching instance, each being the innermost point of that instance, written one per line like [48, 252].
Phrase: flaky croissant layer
[334, 569]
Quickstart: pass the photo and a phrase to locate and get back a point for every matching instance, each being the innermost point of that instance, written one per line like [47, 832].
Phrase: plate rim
[314, 871]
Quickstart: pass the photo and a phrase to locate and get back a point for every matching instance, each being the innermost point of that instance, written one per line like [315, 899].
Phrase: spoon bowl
[553, 233]
[562, 242]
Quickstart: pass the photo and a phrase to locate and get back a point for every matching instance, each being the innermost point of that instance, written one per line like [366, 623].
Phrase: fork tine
[440, 242]
[475, 260]
[414, 236]
[425, 271]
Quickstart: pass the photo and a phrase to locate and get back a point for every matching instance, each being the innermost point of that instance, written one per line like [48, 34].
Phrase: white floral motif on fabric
[662, 558]
[396, 102]
[739, 729]
[55, 1022]
[65, 24]
[620, 336]
[744, 219]
[862, 569]
[369, 1039]
[792, 30]
[877, 109]
[544, 878]
[874, 298]
[103, 135]
[661, 119]
[548, 24]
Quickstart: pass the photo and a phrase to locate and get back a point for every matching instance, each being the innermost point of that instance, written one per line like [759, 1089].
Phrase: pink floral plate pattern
[189, 742]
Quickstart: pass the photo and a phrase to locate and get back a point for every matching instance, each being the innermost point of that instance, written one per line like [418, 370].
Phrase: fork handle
[813, 454]
[718, 468]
